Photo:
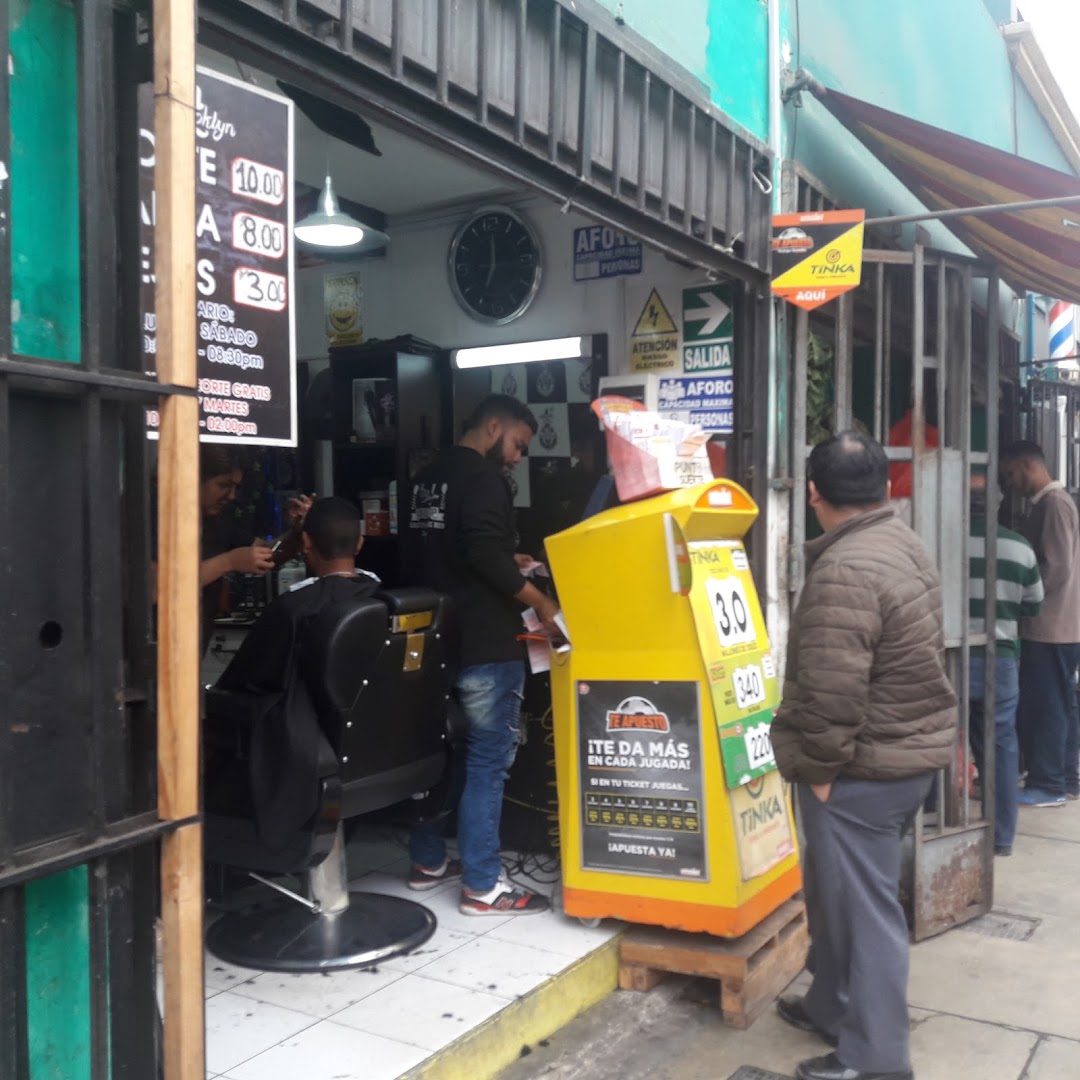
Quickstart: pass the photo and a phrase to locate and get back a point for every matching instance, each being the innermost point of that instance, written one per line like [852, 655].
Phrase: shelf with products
[391, 402]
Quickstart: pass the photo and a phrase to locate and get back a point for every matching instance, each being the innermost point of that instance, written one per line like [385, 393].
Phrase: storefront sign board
[641, 778]
[245, 318]
[817, 257]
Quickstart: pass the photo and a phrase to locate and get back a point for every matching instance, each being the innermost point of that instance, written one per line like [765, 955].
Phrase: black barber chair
[378, 676]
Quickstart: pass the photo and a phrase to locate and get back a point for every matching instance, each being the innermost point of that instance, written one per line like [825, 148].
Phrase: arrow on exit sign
[706, 313]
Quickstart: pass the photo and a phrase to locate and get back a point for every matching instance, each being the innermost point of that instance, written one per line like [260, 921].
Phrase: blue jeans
[1006, 744]
[1047, 719]
[490, 696]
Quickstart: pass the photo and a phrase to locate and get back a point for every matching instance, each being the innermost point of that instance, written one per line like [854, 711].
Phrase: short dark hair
[1024, 450]
[850, 470]
[334, 527]
[501, 407]
[217, 460]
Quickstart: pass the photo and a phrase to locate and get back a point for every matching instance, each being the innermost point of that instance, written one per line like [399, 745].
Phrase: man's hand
[296, 510]
[256, 559]
[821, 791]
[547, 612]
[524, 562]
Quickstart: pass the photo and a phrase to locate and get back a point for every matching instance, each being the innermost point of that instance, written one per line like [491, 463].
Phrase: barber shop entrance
[612, 179]
[917, 358]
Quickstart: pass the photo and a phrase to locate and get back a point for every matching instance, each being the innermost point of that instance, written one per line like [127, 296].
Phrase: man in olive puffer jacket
[868, 716]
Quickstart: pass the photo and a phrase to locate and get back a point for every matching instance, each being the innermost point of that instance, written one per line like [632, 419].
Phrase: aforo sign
[816, 257]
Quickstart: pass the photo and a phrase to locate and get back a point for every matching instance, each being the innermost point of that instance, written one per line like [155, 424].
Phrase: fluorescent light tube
[523, 352]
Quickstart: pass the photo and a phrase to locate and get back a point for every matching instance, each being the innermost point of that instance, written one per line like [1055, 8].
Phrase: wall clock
[495, 265]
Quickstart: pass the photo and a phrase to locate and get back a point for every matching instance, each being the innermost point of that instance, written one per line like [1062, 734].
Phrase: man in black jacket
[461, 531]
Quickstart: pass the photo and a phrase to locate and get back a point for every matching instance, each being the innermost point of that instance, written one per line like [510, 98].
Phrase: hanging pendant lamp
[327, 226]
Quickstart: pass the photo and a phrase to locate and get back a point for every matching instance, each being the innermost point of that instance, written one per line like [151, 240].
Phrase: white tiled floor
[377, 1025]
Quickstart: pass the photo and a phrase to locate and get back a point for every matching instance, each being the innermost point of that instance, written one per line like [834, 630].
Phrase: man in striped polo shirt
[1019, 595]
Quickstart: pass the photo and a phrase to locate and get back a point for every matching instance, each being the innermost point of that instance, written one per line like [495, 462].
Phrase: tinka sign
[816, 257]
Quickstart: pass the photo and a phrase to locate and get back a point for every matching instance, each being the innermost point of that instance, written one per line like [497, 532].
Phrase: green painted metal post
[46, 319]
[44, 176]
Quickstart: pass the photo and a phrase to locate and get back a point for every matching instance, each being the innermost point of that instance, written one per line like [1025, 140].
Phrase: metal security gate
[911, 347]
[1051, 418]
[79, 826]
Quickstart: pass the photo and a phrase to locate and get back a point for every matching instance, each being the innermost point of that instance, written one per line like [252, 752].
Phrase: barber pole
[1062, 333]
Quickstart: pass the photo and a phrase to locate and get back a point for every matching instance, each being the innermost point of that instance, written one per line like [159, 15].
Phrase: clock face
[495, 265]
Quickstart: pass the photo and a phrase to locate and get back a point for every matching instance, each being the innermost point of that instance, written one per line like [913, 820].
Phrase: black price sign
[640, 770]
[244, 317]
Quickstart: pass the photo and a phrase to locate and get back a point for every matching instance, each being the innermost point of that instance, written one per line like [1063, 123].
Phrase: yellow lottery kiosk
[671, 811]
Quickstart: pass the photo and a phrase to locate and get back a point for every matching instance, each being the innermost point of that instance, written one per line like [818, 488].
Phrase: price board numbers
[259, 235]
[257, 181]
[759, 749]
[749, 685]
[260, 289]
[730, 611]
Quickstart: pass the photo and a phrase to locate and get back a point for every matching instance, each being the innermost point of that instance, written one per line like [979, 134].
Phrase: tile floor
[379, 1024]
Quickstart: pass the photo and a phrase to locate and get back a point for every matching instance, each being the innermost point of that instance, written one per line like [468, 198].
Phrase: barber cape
[288, 751]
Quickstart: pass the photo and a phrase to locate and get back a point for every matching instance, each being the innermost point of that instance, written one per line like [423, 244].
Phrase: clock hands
[491, 268]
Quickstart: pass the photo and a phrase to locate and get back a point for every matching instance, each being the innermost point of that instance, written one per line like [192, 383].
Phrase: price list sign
[244, 314]
[735, 647]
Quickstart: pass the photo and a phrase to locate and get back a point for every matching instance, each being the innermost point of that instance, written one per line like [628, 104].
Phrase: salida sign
[816, 257]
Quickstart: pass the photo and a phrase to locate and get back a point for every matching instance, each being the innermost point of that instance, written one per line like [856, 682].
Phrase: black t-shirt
[461, 541]
[261, 664]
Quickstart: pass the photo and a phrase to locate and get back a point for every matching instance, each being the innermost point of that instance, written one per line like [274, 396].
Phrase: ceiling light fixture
[327, 226]
[523, 352]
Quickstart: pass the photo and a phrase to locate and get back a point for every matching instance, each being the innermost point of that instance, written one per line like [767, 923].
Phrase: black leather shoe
[831, 1068]
[792, 1012]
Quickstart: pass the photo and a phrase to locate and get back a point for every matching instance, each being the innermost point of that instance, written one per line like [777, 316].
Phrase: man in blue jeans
[1046, 719]
[1019, 595]
[463, 543]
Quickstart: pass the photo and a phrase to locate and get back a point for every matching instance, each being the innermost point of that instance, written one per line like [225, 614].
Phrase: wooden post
[178, 539]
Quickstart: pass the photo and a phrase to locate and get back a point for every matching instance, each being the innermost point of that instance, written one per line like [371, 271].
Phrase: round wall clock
[495, 265]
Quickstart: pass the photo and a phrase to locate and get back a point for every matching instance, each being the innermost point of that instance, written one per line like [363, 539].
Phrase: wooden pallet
[752, 970]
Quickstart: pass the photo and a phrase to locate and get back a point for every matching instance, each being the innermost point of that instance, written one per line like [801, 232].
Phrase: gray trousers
[859, 936]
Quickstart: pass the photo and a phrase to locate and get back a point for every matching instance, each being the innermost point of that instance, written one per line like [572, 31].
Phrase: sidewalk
[983, 1007]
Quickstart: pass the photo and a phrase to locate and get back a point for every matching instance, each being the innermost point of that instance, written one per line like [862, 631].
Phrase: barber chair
[378, 676]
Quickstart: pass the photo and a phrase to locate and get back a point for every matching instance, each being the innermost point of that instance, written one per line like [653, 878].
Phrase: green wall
[945, 64]
[720, 42]
[45, 316]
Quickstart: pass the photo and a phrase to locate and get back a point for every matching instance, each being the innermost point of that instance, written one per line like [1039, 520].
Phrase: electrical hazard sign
[816, 257]
[654, 341]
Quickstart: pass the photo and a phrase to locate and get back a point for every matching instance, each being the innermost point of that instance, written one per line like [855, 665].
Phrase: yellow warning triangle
[654, 318]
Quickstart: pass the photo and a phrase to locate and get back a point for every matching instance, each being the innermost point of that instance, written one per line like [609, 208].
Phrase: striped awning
[1037, 250]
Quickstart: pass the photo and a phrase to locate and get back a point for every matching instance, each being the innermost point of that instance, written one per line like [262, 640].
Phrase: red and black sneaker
[506, 898]
[422, 878]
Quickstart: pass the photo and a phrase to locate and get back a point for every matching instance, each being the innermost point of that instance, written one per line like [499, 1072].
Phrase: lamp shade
[327, 226]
